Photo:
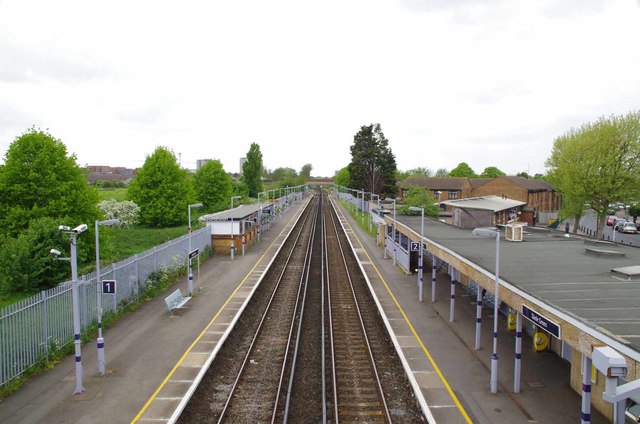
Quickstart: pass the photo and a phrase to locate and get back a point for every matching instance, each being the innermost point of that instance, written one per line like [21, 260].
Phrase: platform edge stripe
[179, 362]
[415, 334]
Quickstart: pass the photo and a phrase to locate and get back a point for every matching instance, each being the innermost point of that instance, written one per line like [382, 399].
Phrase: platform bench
[176, 300]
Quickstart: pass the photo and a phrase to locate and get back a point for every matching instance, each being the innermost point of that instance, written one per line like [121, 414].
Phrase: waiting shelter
[235, 229]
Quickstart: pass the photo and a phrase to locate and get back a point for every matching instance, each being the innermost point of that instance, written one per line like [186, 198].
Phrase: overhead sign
[415, 245]
[109, 286]
[193, 253]
[541, 321]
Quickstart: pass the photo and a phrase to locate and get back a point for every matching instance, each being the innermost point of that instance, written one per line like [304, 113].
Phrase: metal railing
[30, 328]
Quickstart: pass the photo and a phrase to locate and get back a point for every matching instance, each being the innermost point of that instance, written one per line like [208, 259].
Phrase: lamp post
[378, 226]
[494, 232]
[233, 243]
[420, 260]
[190, 286]
[73, 233]
[100, 340]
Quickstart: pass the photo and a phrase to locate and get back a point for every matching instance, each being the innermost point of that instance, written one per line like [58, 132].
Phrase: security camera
[80, 229]
[55, 253]
[64, 228]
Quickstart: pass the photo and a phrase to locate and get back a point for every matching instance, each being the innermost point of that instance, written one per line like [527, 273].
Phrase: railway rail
[310, 345]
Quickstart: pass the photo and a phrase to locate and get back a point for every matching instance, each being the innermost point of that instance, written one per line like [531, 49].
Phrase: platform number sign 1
[415, 246]
[109, 286]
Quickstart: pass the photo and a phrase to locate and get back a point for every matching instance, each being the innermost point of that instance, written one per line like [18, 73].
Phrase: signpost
[193, 253]
[415, 245]
[541, 321]
[109, 286]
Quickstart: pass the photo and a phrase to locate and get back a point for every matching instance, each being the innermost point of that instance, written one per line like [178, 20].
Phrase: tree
[441, 173]
[342, 178]
[373, 165]
[415, 172]
[252, 170]
[492, 172]
[25, 263]
[161, 189]
[597, 164]
[39, 179]
[522, 174]
[212, 186]
[462, 170]
[305, 172]
[421, 197]
[126, 211]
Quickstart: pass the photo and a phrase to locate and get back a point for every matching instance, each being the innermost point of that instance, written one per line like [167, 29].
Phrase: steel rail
[362, 326]
[302, 290]
[262, 320]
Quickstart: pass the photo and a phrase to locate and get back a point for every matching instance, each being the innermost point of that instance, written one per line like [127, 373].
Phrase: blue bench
[176, 300]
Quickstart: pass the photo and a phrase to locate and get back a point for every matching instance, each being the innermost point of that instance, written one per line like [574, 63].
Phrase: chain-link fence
[33, 326]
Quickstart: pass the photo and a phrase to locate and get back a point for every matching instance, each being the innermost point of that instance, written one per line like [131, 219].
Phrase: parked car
[618, 222]
[610, 220]
[627, 227]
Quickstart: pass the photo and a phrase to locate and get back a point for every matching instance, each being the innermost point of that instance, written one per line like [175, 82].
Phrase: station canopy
[487, 203]
[236, 214]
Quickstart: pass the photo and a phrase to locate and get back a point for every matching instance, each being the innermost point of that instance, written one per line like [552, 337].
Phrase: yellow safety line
[424, 348]
[175, 367]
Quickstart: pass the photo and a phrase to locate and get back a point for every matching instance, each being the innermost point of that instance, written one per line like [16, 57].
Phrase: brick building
[541, 201]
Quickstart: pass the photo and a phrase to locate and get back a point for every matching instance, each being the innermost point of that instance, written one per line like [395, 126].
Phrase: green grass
[113, 193]
[127, 242]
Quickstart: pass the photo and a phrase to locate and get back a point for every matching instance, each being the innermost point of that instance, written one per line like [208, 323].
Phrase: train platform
[152, 356]
[545, 396]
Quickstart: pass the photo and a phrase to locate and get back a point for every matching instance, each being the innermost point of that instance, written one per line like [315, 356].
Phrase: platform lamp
[73, 234]
[100, 340]
[190, 286]
[493, 232]
[420, 259]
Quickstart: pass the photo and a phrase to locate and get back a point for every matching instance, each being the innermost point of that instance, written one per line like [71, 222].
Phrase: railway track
[309, 345]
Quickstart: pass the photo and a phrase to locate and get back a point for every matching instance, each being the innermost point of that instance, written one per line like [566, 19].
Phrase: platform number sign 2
[109, 286]
[415, 245]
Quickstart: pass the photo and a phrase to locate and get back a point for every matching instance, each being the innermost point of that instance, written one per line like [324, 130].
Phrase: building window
[454, 194]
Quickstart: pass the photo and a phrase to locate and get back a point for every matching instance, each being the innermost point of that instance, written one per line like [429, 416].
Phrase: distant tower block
[201, 162]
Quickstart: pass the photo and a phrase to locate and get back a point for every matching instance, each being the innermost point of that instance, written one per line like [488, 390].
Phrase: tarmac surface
[143, 347]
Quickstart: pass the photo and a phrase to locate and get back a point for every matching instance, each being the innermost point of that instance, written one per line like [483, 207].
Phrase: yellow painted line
[184, 355]
[424, 348]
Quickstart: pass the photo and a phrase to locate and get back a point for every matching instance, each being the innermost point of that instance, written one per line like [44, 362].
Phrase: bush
[126, 211]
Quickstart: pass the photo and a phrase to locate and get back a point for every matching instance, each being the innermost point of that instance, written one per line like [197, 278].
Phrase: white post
[453, 293]
[585, 414]
[478, 317]
[494, 356]
[76, 315]
[518, 364]
[433, 277]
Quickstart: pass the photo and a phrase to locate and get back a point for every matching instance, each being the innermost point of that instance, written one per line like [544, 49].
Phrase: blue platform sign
[109, 286]
[541, 321]
[415, 246]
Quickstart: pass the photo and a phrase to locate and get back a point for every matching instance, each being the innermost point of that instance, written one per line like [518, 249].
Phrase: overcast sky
[486, 82]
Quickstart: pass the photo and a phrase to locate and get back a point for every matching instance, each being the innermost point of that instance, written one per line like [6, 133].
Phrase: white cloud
[490, 83]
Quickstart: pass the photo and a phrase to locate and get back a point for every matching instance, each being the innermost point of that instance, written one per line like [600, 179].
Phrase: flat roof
[235, 214]
[559, 272]
[489, 203]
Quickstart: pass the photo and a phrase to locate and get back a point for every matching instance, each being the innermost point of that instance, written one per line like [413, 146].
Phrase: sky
[489, 83]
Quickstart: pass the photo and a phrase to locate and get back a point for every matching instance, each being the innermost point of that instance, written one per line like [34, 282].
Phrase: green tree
[441, 173]
[252, 170]
[25, 263]
[39, 179]
[373, 165]
[212, 186]
[162, 190]
[342, 178]
[597, 164]
[305, 172]
[420, 197]
[492, 172]
[462, 170]
[522, 174]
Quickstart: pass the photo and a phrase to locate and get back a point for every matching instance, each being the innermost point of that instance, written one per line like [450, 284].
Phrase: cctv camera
[64, 228]
[54, 252]
[80, 229]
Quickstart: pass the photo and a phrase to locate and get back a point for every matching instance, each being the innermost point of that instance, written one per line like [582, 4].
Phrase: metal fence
[33, 326]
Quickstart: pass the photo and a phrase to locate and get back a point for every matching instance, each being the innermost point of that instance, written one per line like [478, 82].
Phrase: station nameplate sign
[541, 321]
